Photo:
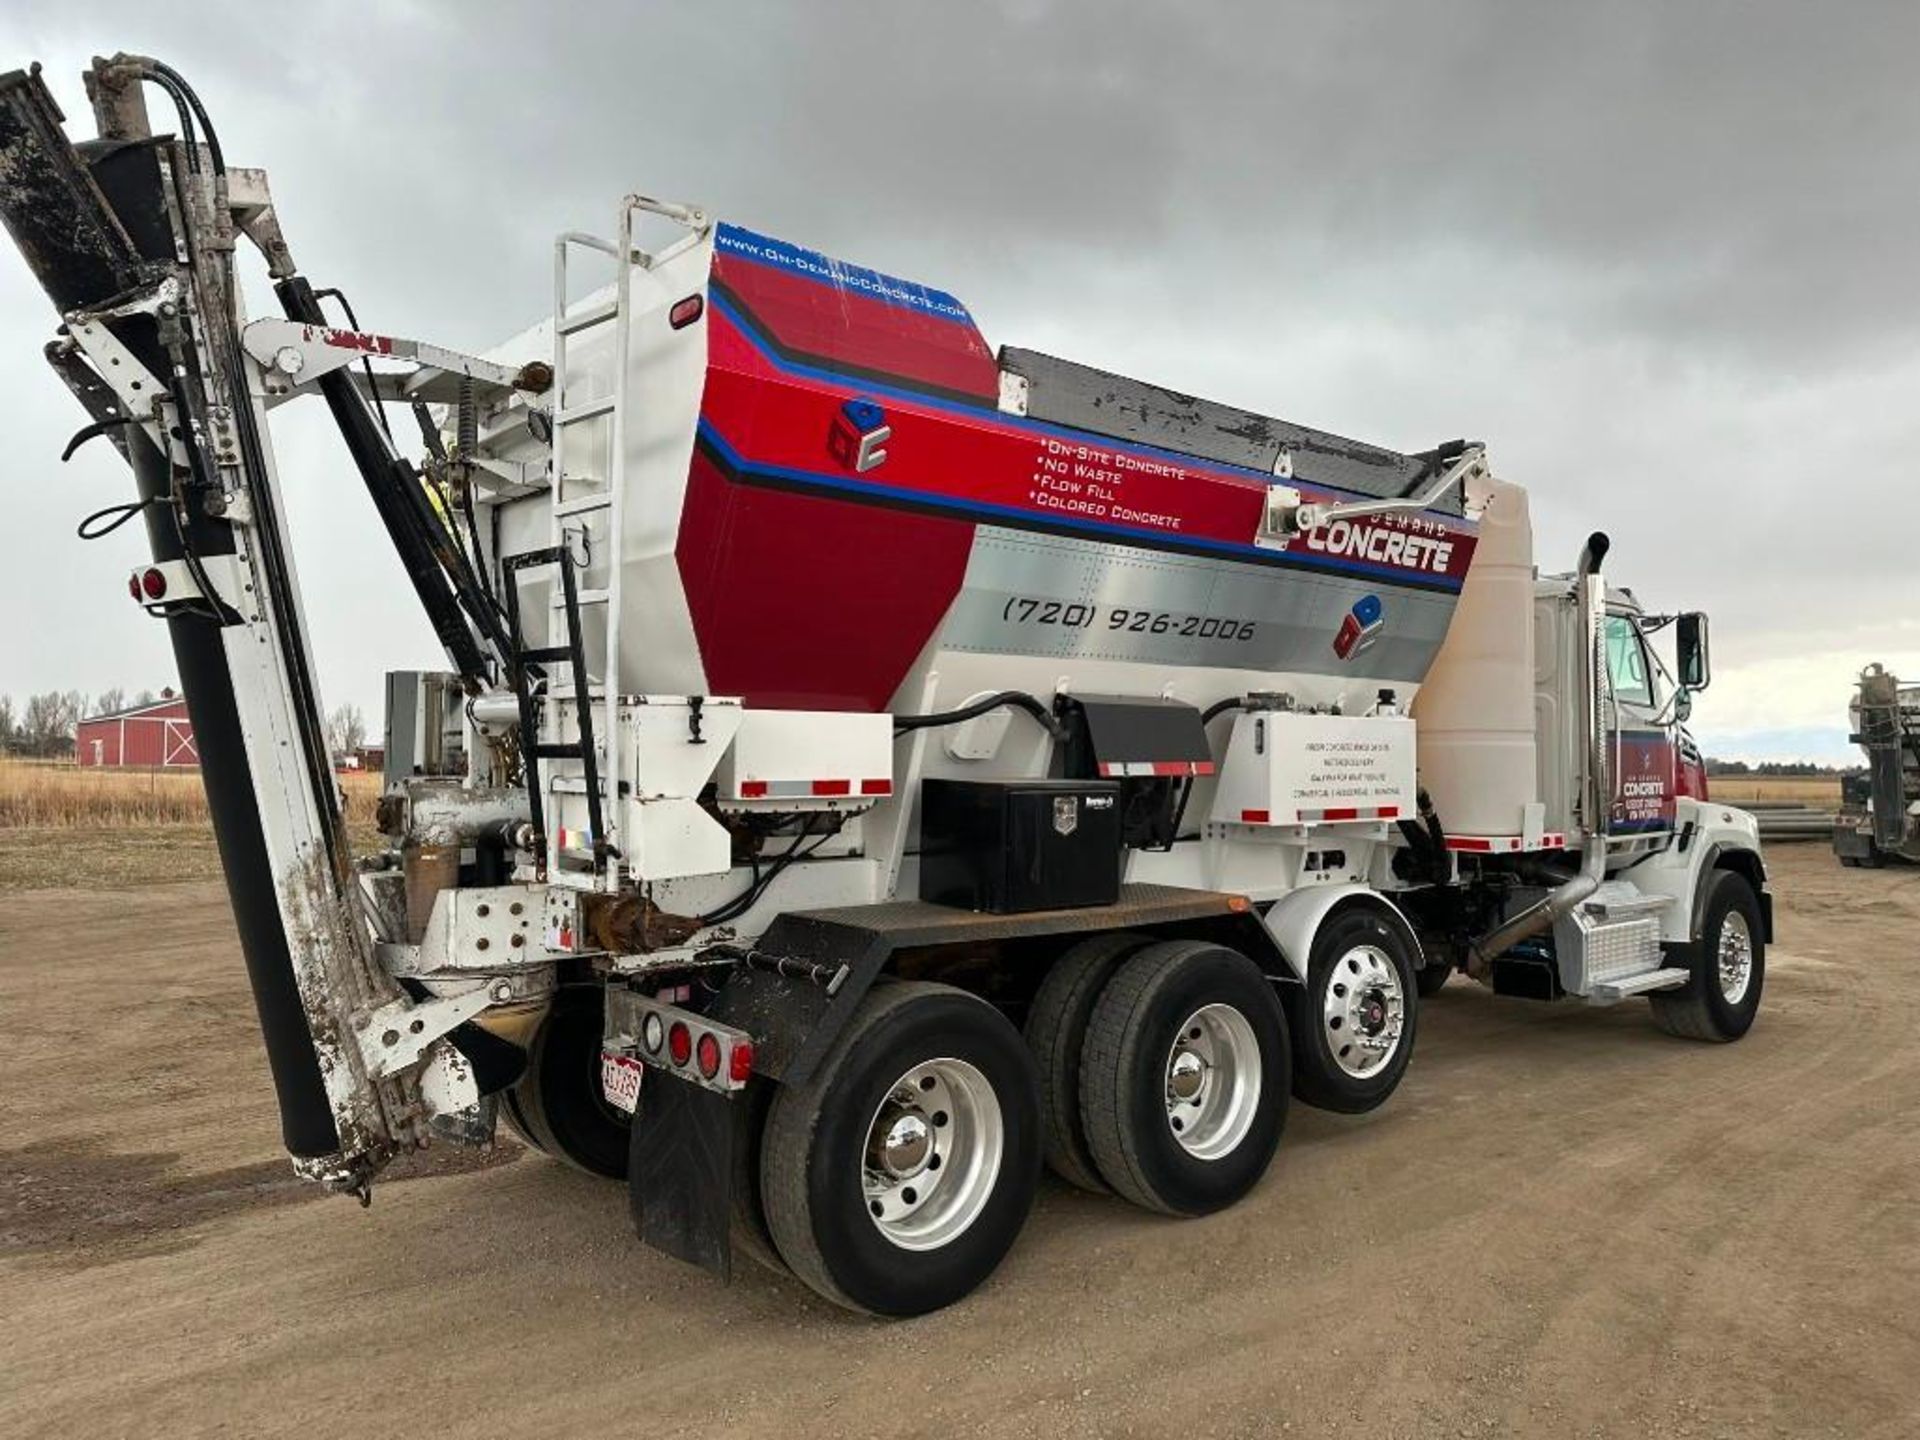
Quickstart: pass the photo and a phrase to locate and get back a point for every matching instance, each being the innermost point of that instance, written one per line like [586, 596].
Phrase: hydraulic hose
[1018, 699]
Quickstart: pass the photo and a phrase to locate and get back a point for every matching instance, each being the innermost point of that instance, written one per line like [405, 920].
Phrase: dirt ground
[1565, 1223]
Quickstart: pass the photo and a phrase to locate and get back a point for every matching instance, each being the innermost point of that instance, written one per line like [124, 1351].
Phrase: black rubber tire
[1318, 1079]
[1700, 1010]
[1431, 980]
[748, 1233]
[557, 1107]
[1056, 1031]
[1123, 1076]
[812, 1151]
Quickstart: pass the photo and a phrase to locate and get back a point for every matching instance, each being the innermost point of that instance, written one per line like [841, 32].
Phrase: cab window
[1627, 665]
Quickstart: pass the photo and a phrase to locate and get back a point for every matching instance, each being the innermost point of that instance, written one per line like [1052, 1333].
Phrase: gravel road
[1565, 1223]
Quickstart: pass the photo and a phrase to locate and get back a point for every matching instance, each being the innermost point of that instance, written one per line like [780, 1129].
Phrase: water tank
[1476, 711]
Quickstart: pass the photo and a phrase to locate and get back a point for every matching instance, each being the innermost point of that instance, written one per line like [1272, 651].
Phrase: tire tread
[1058, 1046]
[787, 1142]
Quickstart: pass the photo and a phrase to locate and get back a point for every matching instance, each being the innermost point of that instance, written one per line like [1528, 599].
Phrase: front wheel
[897, 1177]
[1727, 965]
[1353, 1023]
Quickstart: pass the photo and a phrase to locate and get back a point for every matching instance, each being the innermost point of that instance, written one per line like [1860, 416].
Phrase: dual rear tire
[896, 1179]
[557, 1106]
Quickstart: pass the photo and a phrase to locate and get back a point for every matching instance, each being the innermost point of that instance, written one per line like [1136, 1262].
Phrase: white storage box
[1288, 768]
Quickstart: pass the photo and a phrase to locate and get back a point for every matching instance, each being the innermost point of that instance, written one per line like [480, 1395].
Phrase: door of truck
[1641, 730]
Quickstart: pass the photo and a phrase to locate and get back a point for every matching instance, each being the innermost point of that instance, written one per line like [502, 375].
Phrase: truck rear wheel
[896, 1178]
[557, 1107]
[1183, 1081]
[1728, 961]
[1056, 1032]
[1353, 1023]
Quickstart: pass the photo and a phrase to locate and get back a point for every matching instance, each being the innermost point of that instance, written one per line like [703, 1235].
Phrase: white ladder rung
[582, 506]
[589, 316]
[592, 410]
[581, 597]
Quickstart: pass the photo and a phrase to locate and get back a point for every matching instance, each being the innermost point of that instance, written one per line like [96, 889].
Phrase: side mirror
[1690, 645]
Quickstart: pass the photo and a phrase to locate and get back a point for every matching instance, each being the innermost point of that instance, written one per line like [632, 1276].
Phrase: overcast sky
[1664, 259]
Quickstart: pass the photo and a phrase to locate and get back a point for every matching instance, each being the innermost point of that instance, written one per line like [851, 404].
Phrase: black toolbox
[1009, 846]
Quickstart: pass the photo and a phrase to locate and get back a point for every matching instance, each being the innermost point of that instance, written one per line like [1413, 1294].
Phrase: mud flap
[680, 1170]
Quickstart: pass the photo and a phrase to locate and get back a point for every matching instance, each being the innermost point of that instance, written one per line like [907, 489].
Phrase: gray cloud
[1659, 256]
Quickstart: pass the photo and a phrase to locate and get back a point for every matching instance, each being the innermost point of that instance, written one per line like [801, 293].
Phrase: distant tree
[46, 726]
[346, 730]
[108, 701]
[145, 697]
[6, 723]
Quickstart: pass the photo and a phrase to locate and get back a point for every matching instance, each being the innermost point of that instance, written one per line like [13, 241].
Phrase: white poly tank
[1476, 711]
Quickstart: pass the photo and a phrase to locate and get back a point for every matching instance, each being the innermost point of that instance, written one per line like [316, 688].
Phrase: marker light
[685, 312]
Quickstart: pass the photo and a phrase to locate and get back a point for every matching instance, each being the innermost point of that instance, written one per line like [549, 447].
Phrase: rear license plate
[620, 1081]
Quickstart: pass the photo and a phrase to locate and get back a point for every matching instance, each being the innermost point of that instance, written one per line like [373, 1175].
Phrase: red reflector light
[154, 584]
[740, 1062]
[876, 787]
[1255, 817]
[679, 1042]
[833, 787]
[752, 789]
[685, 312]
[133, 584]
[709, 1052]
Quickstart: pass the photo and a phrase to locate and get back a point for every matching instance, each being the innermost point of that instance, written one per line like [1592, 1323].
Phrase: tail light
[153, 584]
[679, 1042]
[709, 1055]
[740, 1062]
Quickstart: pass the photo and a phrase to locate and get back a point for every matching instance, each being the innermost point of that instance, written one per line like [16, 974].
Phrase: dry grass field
[1821, 792]
[64, 826]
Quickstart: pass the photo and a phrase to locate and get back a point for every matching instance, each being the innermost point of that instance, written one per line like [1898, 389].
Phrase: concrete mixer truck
[866, 766]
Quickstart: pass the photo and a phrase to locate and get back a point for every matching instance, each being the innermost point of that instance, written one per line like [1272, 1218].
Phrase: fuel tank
[835, 495]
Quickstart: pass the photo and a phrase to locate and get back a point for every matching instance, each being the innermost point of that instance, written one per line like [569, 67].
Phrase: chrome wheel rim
[1735, 957]
[932, 1155]
[1363, 1011]
[1212, 1081]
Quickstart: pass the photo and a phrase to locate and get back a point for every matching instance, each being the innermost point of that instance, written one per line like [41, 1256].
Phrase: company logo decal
[1360, 627]
[858, 436]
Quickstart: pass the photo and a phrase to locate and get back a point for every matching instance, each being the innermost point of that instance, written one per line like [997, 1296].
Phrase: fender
[1720, 838]
[1293, 920]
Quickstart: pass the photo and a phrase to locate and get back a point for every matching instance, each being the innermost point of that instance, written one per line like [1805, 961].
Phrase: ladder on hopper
[585, 502]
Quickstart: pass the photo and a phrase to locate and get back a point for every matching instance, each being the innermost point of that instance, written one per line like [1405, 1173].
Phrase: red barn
[155, 736]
